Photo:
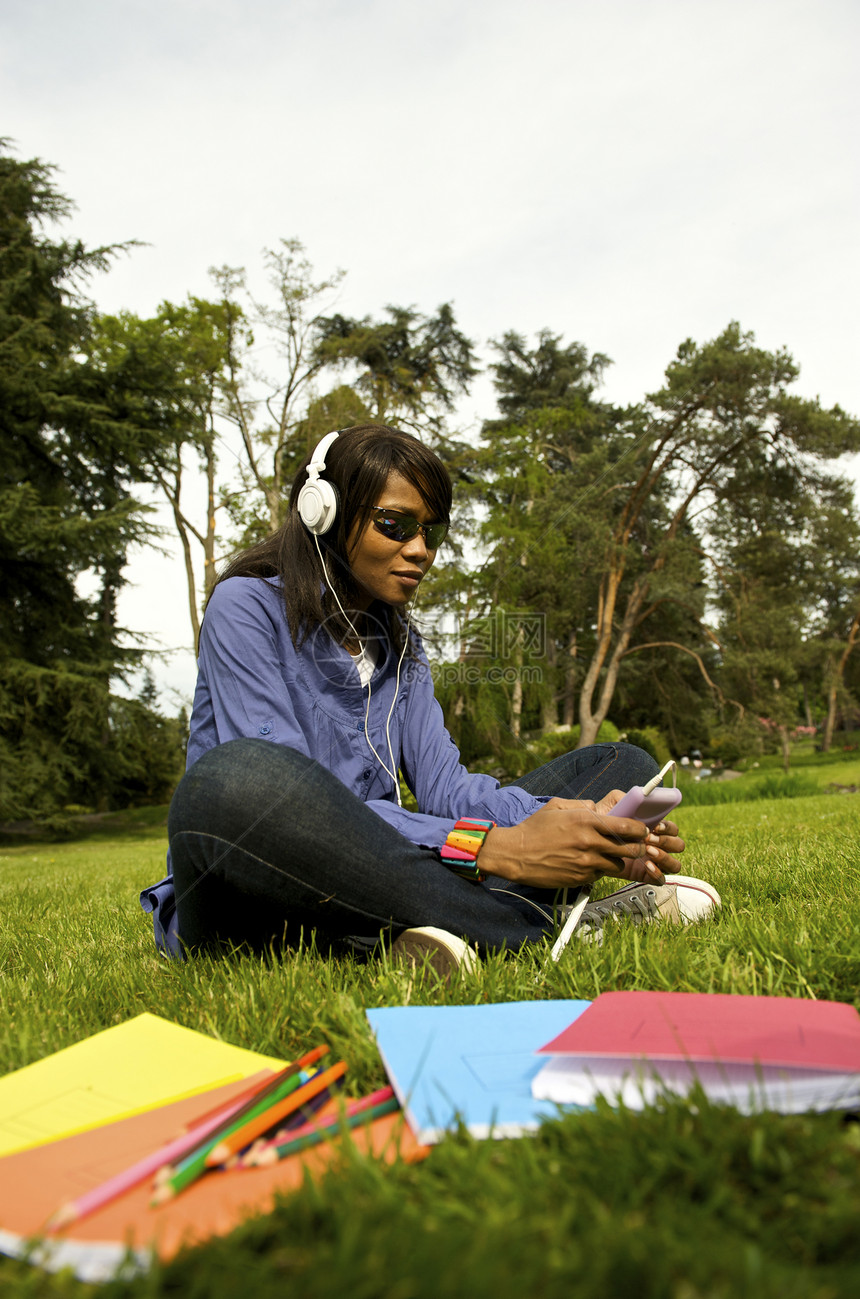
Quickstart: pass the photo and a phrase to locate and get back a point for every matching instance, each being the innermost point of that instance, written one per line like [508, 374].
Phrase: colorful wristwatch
[460, 850]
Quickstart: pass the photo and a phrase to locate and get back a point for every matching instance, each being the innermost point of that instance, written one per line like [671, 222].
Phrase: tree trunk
[830, 720]
[549, 702]
[836, 680]
[191, 585]
[517, 691]
[591, 718]
[786, 748]
[568, 708]
[209, 539]
[806, 708]
[111, 583]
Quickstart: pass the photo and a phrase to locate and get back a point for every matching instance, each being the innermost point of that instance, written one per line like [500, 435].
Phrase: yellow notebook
[139, 1065]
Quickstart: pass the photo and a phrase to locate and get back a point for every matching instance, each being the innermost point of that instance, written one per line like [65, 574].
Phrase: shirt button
[367, 774]
[265, 730]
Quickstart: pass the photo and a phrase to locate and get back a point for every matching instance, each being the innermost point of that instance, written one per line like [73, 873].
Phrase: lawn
[682, 1201]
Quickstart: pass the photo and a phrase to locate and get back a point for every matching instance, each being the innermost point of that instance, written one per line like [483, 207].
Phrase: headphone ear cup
[318, 505]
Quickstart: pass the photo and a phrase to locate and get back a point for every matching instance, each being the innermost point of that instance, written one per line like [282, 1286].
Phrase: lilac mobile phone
[649, 807]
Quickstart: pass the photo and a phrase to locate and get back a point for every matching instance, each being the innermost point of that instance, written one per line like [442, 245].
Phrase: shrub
[544, 748]
[747, 790]
[652, 741]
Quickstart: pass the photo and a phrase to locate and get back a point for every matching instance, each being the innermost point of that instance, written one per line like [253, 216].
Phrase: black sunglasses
[398, 526]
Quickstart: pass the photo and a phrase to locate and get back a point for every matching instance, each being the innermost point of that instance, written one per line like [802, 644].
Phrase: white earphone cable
[392, 770]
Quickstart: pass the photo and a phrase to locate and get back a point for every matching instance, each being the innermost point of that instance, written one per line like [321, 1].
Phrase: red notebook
[785, 1031]
[779, 1053]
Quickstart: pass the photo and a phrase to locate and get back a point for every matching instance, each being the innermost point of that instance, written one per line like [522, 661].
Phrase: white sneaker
[681, 900]
[443, 952]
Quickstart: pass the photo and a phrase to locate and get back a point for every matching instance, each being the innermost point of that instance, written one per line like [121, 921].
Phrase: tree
[191, 381]
[411, 367]
[783, 547]
[518, 612]
[601, 517]
[67, 510]
[546, 465]
[835, 562]
[724, 411]
[292, 327]
[165, 376]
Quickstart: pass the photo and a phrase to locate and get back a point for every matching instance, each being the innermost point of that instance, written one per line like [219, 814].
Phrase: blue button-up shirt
[253, 682]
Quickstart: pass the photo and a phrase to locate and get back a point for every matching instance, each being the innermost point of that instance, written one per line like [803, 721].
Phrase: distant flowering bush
[797, 733]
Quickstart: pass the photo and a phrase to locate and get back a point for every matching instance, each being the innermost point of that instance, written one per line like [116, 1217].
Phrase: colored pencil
[288, 1132]
[181, 1174]
[300, 1119]
[313, 1133]
[207, 1125]
[254, 1101]
[251, 1092]
[247, 1132]
[258, 1105]
[172, 1178]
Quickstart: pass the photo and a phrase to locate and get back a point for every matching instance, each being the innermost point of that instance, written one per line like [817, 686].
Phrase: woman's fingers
[569, 842]
[671, 844]
[643, 871]
[607, 803]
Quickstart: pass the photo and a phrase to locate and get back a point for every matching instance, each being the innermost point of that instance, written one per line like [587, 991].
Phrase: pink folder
[784, 1031]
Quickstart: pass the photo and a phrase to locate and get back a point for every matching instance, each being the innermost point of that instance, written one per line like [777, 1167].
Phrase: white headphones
[317, 506]
[318, 501]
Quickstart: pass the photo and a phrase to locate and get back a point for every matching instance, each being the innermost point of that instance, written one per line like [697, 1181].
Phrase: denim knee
[234, 782]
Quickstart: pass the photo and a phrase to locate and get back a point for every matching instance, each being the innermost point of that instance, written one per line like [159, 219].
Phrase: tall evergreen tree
[67, 512]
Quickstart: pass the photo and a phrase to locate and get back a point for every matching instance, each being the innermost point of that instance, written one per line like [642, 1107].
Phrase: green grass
[683, 1201]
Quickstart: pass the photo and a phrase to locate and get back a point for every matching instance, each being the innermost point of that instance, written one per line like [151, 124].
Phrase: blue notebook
[470, 1064]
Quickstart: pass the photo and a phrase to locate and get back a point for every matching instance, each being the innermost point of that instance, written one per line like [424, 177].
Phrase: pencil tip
[64, 1215]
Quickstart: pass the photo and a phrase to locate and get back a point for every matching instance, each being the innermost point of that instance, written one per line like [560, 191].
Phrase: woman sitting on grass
[314, 691]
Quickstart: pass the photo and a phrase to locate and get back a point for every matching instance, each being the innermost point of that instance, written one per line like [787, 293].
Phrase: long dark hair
[358, 464]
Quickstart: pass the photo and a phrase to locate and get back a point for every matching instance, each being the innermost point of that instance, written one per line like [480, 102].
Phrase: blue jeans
[266, 844]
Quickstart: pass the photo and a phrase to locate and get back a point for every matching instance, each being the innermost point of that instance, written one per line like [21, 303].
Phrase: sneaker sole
[697, 899]
[443, 952]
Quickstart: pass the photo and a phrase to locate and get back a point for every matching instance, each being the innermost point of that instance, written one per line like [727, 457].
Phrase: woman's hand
[663, 836]
[573, 841]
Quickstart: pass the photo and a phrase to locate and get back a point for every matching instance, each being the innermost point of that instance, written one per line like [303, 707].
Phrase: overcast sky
[626, 173]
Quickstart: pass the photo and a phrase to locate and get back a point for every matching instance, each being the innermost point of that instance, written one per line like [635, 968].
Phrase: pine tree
[67, 512]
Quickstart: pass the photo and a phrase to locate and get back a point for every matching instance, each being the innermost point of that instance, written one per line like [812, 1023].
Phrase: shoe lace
[638, 906]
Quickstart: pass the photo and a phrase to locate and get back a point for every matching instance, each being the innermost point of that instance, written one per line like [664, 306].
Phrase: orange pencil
[244, 1135]
[173, 1177]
